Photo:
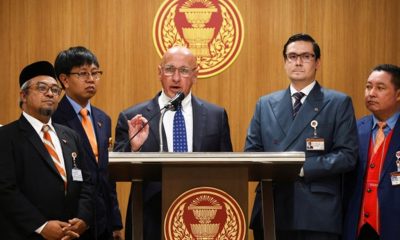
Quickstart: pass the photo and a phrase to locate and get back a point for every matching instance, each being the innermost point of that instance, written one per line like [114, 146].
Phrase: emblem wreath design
[204, 213]
[212, 29]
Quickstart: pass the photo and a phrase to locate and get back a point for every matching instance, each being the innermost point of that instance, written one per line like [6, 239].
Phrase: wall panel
[354, 36]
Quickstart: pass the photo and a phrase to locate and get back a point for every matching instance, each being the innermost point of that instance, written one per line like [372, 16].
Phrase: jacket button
[366, 215]
[372, 165]
[369, 190]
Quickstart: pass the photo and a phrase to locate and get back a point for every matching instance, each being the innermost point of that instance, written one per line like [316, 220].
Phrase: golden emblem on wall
[204, 213]
[212, 29]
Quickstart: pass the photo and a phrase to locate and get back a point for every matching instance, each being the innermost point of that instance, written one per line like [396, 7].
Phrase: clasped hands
[58, 230]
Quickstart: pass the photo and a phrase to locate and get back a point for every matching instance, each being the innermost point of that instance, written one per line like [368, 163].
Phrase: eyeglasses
[86, 75]
[183, 71]
[305, 57]
[44, 88]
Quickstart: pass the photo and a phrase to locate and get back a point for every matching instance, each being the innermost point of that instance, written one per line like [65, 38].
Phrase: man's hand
[75, 229]
[54, 230]
[117, 235]
[135, 124]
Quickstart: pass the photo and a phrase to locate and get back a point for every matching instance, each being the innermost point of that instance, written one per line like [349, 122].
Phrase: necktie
[380, 135]
[48, 143]
[87, 125]
[297, 103]
[179, 131]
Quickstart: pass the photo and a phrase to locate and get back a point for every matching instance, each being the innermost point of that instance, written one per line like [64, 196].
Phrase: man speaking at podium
[195, 126]
[320, 122]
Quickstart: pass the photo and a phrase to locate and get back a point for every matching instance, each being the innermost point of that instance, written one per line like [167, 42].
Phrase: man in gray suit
[206, 128]
[320, 122]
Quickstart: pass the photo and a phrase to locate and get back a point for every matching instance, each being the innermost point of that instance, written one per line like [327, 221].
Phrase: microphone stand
[160, 125]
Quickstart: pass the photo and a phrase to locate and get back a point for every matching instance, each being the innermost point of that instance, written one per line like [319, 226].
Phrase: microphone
[174, 102]
[171, 105]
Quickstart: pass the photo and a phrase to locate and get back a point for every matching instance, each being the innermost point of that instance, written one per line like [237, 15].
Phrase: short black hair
[392, 70]
[306, 38]
[74, 57]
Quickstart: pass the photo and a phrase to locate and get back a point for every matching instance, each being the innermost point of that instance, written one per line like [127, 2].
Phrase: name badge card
[76, 172]
[395, 176]
[315, 143]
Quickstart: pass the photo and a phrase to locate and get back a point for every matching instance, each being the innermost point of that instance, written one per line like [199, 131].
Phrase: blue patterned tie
[297, 103]
[179, 130]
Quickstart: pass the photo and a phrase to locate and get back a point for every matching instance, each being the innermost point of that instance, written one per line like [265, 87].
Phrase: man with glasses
[79, 72]
[320, 122]
[45, 188]
[206, 128]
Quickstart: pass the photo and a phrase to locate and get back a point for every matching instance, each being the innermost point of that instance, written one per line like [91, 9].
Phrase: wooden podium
[180, 172]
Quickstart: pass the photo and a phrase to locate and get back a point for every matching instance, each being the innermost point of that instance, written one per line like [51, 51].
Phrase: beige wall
[354, 35]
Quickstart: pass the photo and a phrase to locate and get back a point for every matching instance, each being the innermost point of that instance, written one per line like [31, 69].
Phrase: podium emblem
[204, 213]
[212, 29]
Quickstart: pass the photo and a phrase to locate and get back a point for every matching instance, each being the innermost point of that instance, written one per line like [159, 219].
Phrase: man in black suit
[45, 190]
[78, 70]
[206, 128]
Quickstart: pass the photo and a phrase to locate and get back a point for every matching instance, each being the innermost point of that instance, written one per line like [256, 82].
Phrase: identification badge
[76, 172]
[395, 178]
[77, 175]
[315, 143]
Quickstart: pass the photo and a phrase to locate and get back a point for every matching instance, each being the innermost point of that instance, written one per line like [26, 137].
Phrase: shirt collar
[77, 108]
[36, 124]
[305, 90]
[391, 122]
[164, 99]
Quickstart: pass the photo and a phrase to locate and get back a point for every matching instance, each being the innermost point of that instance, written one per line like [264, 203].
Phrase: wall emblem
[212, 29]
[204, 213]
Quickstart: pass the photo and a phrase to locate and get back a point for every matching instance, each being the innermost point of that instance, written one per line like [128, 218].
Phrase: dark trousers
[368, 233]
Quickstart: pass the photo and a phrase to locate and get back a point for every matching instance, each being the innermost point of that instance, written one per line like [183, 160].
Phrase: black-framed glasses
[96, 75]
[44, 88]
[305, 57]
[170, 70]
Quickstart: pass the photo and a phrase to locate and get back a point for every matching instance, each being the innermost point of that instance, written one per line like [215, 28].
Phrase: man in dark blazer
[207, 128]
[45, 190]
[78, 70]
[374, 211]
[304, 115]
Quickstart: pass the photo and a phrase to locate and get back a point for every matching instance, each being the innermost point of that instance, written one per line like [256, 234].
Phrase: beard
[47, 112]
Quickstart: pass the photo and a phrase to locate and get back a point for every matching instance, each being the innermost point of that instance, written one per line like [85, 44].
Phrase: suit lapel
[37, 143]
[153, 110]
[199, 121]
[390, 160]
[364, 132]
[65, 142]
[311, 107]
[282, 107]
[98, 125]
[72, 120]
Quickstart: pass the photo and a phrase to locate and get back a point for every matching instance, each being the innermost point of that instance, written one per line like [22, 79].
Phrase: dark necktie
[179, 131]
[297, 103]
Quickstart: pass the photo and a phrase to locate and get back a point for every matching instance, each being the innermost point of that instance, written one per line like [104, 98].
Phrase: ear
[318, 64]
[398, 95]
[23, 95]
[159, 72]
[64, 80]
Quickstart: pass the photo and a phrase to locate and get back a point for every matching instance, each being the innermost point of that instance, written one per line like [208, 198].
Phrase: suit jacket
[388, 195]
[31, 189]
[107, 213]
[210, 134]
[313, 202]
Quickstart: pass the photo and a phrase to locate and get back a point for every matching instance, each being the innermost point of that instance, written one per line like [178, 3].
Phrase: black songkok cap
[36, 69]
